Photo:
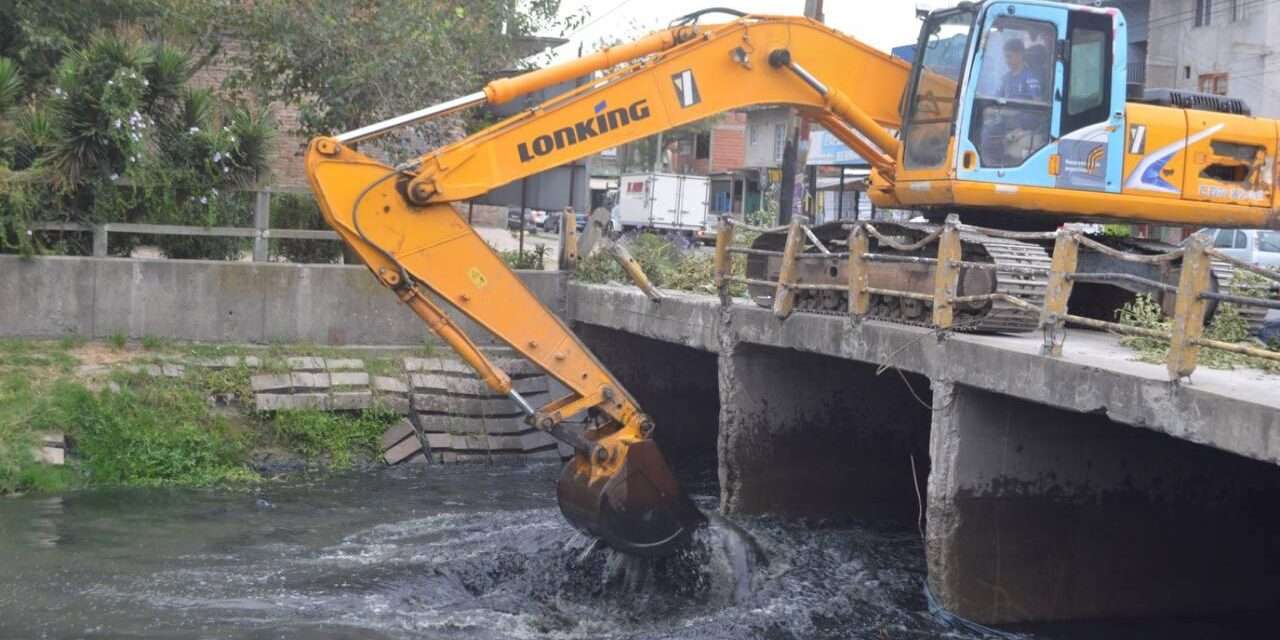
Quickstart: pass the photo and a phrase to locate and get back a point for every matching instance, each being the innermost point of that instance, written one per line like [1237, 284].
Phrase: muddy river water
[472, 552]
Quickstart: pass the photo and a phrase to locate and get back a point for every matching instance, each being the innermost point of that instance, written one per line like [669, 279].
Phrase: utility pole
[795, 154]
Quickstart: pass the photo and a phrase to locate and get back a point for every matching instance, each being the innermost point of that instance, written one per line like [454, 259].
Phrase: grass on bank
[135, 429]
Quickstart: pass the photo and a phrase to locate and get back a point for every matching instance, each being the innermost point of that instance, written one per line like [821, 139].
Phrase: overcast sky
[880, 23]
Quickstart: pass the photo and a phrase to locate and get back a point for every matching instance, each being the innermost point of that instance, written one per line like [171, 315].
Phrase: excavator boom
[400, 221]
[1014, 110]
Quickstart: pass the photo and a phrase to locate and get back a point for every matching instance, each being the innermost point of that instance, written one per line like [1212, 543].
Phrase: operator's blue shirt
[1021, 85]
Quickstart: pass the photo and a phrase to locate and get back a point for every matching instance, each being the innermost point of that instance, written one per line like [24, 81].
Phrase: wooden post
[724, 260]
[261, 222]
[859, 297]
[1189, 311]
[568, 239]
[1066, 253]
[99, 240]
[784, 297]
[948, 274]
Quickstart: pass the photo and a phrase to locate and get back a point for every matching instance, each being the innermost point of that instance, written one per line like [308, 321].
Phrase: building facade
[1226, 47]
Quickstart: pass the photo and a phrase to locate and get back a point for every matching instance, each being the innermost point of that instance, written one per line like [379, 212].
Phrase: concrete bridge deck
[1043, 500]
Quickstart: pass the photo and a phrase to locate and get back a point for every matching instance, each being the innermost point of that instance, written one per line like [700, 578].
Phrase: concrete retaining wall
[206, 301]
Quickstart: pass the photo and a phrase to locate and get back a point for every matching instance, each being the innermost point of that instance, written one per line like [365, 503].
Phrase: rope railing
[1191, 294]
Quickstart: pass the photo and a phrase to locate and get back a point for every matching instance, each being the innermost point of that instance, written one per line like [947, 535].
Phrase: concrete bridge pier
[1037, 514]
[810, 435]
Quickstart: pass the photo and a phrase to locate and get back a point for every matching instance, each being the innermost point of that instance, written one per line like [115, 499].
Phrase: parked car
[580, 219]
[551, 224]
[513, 218]
[1255, 246]
[535, 218]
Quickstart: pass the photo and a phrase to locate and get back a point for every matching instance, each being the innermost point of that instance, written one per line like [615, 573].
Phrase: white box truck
[666, 202]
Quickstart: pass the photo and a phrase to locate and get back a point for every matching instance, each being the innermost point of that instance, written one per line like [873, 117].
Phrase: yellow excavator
[1014, 113]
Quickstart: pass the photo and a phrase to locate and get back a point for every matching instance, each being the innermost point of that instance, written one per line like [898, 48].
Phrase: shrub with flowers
[119, 137]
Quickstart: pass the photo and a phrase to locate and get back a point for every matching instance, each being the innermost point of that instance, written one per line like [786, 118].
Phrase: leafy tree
[352, 63]
[38, 33]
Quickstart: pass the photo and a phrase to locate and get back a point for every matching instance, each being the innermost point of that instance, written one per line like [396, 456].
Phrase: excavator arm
[399, 220]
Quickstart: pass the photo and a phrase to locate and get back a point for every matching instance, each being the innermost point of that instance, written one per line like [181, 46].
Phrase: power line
[596, 20]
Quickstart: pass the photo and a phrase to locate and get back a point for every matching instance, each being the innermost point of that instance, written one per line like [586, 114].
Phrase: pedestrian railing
[1192, 294]
[261, 231]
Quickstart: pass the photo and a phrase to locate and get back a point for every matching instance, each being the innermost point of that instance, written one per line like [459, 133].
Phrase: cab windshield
[940, 56]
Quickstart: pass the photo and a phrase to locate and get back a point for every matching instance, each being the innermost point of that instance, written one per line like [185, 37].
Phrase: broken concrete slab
[395, 433]
[394, 404]
[349, 379]
[430, 382]
[386, 384]
[481, 424]
[334, 364]
[270, 382]
[350, 400]
[228, 362]
[436, 365]
[305, 363]
[402, 450]
[464, 406]
[290, 402]
[302, 380]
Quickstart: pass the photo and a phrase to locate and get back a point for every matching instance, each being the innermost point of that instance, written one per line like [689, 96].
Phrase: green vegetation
[147, 433]
[137, 429]
[1227, 326]
[18, 468]
[114, 134]
[318, 434]
[666, 265]
[347, 64]
[296, 211]
[534, 258]
[154, 343]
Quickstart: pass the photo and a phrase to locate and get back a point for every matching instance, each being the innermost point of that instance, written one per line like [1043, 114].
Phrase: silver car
[1255, 246]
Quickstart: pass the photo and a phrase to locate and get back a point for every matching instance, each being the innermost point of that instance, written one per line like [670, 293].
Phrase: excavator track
[995, 316]
[1223, 273]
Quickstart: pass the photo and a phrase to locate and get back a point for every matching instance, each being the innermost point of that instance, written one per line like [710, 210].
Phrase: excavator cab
[1009, 95]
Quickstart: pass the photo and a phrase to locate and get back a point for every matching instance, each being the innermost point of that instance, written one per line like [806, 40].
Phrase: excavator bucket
[638, 508]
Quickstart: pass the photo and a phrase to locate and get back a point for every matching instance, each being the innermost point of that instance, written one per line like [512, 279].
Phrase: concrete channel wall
[1086, 486]
[1070, 488]
[209, 301]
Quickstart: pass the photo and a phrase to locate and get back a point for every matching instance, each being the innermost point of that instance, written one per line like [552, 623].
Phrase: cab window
[1085, 88]
[932, 109]
[1013, 106]
[1087, 62]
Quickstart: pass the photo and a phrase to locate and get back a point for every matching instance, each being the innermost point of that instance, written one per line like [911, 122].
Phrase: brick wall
[729, 143]
[285, 162]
